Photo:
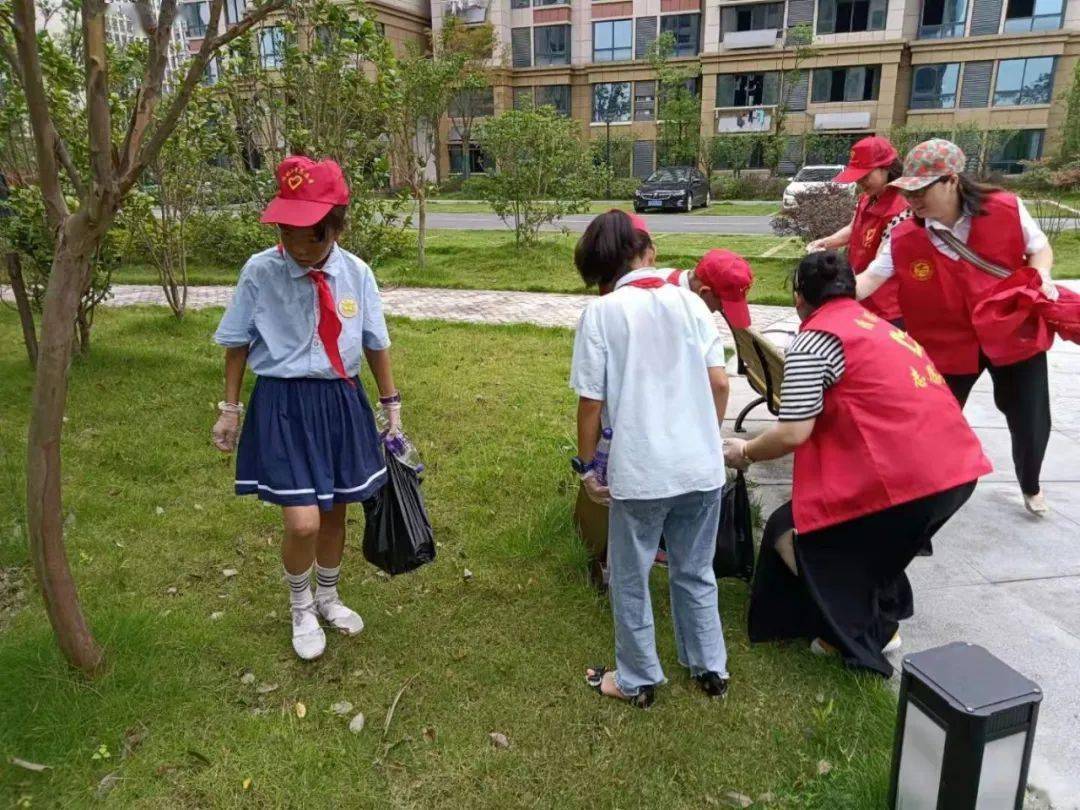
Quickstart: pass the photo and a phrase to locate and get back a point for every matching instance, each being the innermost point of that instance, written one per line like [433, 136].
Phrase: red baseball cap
[306, 192]
[729, 276]
[866, 155]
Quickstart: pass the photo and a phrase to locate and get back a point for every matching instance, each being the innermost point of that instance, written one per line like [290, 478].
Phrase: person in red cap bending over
[947, 259]
[722, 280]
[873, 164]
[304, 315]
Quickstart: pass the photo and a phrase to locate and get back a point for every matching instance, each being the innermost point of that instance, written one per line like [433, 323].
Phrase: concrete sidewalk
[999, 577]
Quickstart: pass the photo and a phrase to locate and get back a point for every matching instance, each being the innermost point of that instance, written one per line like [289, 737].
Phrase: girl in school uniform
[936, 259]
[304, 315]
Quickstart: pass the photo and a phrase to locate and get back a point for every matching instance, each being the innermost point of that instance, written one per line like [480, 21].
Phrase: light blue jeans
[688, 523]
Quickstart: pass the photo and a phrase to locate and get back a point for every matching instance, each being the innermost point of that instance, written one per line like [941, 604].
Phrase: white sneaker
[1036, 504]
[821, 647]
[344, 620]
[894, 644]
[308, 638]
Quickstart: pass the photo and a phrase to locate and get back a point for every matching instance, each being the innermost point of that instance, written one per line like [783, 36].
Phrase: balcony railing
[743, 119]
[943, 30]
[845, 120]
[764, 38]
[468, 11]
[1040, 22]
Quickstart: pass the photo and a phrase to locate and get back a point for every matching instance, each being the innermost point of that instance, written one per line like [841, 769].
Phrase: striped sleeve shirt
[813, 362]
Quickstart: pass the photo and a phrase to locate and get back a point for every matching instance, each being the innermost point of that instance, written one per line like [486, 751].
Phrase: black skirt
[851, 590]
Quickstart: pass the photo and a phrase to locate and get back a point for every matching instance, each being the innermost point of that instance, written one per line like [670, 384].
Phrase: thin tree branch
[64, 156]
[210, 46]
[23, 26]
[159, 33]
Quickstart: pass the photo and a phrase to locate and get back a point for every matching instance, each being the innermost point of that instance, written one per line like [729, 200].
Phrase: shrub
[748, 187]
[623, 188]
[477, 187]
[222, 238]
[818, 212]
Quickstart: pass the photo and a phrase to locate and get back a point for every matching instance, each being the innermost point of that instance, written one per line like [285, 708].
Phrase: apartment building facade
[875, 65]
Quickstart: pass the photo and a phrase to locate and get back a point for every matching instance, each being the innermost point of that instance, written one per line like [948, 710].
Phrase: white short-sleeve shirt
[646, 353]
[1034, 239]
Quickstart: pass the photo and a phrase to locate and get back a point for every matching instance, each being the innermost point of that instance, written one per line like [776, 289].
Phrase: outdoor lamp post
[964, 731]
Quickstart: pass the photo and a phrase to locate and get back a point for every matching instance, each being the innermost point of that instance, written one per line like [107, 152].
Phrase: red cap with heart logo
[866, 155]
[306, 192]
[729, 276]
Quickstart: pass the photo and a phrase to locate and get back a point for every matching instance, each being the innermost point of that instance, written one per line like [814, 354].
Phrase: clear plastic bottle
[600, 459]
[398, 445]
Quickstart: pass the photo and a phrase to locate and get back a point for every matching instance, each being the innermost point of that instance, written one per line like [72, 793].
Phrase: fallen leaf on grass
[248, 678]
[26, 765]
[202, 759]
[736, 799]
[217, 614]
[267, 688]
[133, 738]
[429, 734]
[356, 725]
[247, 783]
[466, 574]
[301, 710]
[158, 510]
[499, 740]
[102, 752]
[341, 708]
[229, 573]
[107, 783]
[172, 591]
[823, 767]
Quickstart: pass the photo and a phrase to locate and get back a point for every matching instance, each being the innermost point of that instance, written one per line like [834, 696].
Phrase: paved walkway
[999, 577]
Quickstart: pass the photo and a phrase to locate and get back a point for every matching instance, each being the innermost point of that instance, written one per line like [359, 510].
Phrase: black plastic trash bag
[398, 537]
[735, 539]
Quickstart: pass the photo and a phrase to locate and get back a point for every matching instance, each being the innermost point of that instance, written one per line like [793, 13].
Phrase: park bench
[761, 361]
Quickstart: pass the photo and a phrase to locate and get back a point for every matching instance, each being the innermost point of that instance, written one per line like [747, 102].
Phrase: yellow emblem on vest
[934, 375]
[922, 271]
[865, 323]
[917, 378]
[348, 308]
[907, 341]
[869, 236]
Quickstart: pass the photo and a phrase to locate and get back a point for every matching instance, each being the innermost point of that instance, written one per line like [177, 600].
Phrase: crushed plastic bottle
[600, 459]
[398, 444]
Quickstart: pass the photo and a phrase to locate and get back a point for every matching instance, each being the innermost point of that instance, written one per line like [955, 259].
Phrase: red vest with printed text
[890, 432]
[868, 226]
[938, 294]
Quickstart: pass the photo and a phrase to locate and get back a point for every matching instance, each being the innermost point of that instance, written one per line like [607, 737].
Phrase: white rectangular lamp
[964, 731]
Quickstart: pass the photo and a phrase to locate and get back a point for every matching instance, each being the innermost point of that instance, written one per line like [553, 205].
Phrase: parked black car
[677, 188]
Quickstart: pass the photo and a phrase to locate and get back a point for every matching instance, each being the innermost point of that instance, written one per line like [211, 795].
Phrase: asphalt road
[658, 223]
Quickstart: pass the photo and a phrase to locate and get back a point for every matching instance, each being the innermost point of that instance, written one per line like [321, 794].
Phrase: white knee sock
[326, 580]
[299, 589]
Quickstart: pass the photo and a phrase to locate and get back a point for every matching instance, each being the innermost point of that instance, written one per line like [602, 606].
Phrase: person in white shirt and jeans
[649, 363]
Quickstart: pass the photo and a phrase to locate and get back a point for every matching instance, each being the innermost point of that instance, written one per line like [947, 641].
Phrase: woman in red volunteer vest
[867, 415]
[874, 163]
[934, 256]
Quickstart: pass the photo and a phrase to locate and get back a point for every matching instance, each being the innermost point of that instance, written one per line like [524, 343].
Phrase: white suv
[812, 177]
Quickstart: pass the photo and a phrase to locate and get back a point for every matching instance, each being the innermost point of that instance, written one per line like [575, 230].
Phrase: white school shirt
[1034, 240]
[646, 353]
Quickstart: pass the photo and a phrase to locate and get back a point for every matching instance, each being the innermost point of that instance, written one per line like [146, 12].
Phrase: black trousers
[1022, 393]
[851, 589]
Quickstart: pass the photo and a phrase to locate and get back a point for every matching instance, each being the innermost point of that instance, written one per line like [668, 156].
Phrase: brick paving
[468, 306]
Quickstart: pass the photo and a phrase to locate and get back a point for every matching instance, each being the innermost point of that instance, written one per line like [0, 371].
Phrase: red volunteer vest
[890, 432]
[938, 294]
[868, 226]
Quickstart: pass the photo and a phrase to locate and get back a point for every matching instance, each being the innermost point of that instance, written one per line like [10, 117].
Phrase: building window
[551, 45]
[195, 17]
[933, 87]
[846, 84]
[1026, 144]
[612, 40]
[477, 159]
[272, 47]
[747, 89]
[754, 155]
[943, 19]
[645, 101]
[758, 17]
[520, 4]
[235, 11]
[523, 98]
[1032, 15]
[473, 103]
[550, 2]
[686, 28]
[611, 102]
[848, 16]
[1024, 81]
[554, 95]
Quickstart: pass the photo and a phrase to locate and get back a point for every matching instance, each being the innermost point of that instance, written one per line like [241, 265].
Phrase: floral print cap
[930, 161]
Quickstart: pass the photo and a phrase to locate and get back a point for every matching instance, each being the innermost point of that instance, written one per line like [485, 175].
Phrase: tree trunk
[22, 304]
[70, 269]
[421, 227]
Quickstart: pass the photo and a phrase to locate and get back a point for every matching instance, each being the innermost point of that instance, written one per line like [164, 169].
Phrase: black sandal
[642, 700]
[712, 684]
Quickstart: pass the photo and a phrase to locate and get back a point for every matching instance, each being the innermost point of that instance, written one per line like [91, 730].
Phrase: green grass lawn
[489, 260]
[717, 209]
[149, 510]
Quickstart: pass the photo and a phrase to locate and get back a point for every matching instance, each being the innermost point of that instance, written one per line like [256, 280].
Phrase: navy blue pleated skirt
[309, 442]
